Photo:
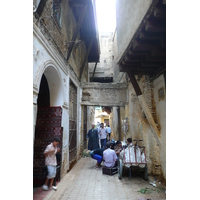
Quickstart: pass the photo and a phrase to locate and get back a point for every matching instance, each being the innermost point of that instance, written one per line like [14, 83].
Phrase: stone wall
[61, 36]
[105, 66]
[90, 116]
[104, 94]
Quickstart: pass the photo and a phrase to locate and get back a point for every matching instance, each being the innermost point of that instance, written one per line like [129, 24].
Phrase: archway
[48, 122]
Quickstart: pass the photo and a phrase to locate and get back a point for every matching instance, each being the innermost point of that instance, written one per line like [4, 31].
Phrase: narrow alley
[84, 181]
[99, 75]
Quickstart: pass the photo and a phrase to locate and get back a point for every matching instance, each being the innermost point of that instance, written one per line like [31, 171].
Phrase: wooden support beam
[158, 51]
[150, 119]
[94, 71]
[133, 59]
[151, 27]
[40, 8]
[138, 71]
[156, 59]
[86, 56]
[159, 13]
[145, 36]
[145, 107]
[138, 53]
[134, 83]
[137, 46]
[152, 64]
[75, 34]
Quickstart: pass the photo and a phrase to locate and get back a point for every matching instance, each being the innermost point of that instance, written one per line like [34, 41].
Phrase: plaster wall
[139, 127]
[161, 117]
[46, 60]
[129, 14]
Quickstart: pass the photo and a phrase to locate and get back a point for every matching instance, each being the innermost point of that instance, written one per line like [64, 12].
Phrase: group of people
[96, 134]
[109, 154]
[109, 151]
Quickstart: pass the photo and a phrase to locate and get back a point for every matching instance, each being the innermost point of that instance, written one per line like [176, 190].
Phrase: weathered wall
[49, 54]
[139, 127]
[129, 14]
[64, 35]
[104, 67]
[161, 117]
[104, 94]
[90, 116]
[115, 123]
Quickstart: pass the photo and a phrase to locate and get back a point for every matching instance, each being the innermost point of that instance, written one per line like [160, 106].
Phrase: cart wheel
[120, 167]
[146, 173]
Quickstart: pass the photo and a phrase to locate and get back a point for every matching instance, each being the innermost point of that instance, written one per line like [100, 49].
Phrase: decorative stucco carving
[86, 96]
[65, 105]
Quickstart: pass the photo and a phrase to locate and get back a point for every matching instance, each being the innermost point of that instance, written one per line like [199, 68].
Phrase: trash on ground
[86, 153]
[151, 183]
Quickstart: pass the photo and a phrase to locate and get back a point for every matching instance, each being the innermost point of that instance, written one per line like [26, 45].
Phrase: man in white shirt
[109, 156]
[103, 136]
[108, 129]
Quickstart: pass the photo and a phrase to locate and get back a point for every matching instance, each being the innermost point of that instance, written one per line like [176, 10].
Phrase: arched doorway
[48, 123]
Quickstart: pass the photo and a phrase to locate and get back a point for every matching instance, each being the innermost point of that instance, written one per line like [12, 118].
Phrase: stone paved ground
[86, 182]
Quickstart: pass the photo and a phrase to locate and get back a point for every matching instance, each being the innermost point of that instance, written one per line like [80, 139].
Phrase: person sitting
[129, 142]
[109, 156]
[118, 148]
[97, 154]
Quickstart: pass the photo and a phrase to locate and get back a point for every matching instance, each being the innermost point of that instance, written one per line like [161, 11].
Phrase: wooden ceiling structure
[85, 14]
[146, 53]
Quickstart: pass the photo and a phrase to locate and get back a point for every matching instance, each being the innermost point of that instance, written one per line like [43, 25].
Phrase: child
[51, 162]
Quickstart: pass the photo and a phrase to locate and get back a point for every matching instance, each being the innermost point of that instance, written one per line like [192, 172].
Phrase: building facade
[65, 39]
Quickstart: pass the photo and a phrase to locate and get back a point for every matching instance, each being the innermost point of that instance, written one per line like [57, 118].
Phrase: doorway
[72, 123]
[48, 126]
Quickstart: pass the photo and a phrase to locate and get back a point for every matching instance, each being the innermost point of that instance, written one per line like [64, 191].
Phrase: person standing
[108, 129]
[98, 128]
[103, 136]
[93, 138]
[51, 162]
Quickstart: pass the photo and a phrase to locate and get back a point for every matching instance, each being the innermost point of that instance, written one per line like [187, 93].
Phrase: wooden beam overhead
[94, 71]
[158, 51]
[155, 58]
[134, 83]
[153, 64]
[138, 53]
[75, 34]
[145, 36]
[151, 27]
[86, 56]
[159, 13]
